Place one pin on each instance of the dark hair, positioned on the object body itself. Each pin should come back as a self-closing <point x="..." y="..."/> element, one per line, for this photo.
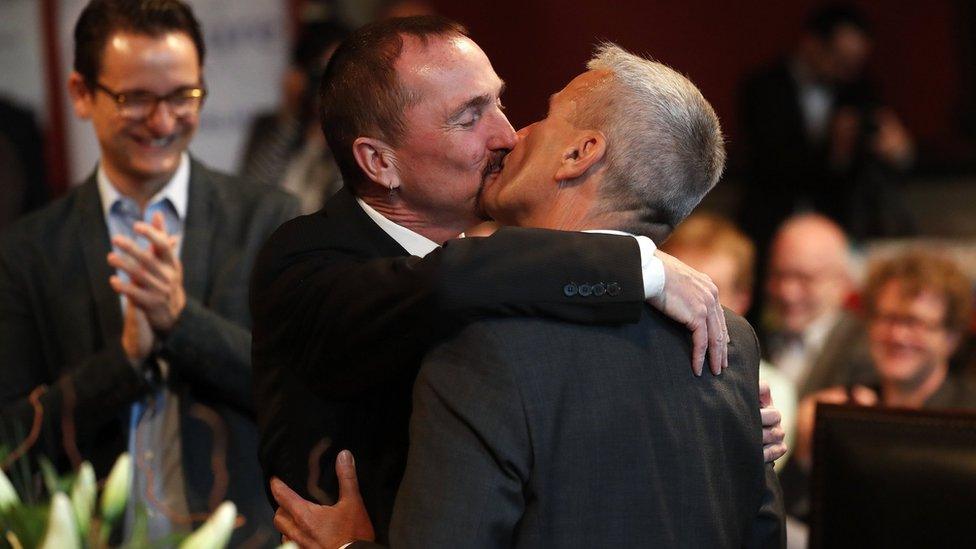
<point x="102" y="18"/>
<point x="360" y="93"/>
<point x="314" y="40"/>
<point x="825" y="21"/>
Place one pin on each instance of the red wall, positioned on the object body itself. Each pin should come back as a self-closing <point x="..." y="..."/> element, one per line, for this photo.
<point x="539" y="45"/>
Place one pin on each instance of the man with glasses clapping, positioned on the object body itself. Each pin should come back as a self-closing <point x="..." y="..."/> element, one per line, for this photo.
<point x="123" y="310"/>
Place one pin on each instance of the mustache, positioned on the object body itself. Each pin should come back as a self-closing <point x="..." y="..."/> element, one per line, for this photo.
<point x="496" y="160"/>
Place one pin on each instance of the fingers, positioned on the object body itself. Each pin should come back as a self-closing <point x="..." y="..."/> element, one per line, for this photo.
<point x="728" y="338"/>
<point x="290" y="530"/>
<point x="287" y="498"/>
<point x="346" y="473"/>
<point x="139" y="296"/>
<point x="160" y="240"/>
<point x="765" y="394"/>
<point x="864" y="396"/>
<point x="699" y="343"/>
<point x="773" y="452"/>
<point x="717" y="346"/>
<point x="773" y="435"/>
<point x="771" y="417"/>
<point x="143" y="275"/>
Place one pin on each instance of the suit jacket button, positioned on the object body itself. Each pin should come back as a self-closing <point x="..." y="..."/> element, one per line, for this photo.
<point x="585" y="290"/>
<point x="599" y="289"/>
<point x="570" y="289"/>
<point x="613" y="289"/>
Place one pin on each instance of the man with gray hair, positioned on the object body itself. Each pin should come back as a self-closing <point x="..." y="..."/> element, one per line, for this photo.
<point x="537" y="432"/>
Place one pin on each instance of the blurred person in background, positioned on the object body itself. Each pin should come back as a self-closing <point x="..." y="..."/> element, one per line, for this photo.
<point x="715" y="246"/>
<point x="23" y="184"/>
<point x="818" y="137"/>
<point x="286" y="147"/>
<point x="808" y="334"/>
<point x="123" y="306"/>
<point x="918" y="307"/>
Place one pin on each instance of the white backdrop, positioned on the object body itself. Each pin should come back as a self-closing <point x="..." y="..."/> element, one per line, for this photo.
<point x="247" y="47"/>
<point x="21" y="54"/>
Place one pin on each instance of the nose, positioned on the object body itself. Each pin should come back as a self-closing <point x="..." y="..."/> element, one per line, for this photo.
<point x="524" y="132"/>
<point x="503" y="134"/>
<point x="161" y="120"/>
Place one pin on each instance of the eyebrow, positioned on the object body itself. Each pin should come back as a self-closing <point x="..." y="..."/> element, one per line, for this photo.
<point x="475" y="103"/>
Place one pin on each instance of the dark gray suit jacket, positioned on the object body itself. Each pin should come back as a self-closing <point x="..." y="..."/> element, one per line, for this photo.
<point x="536" y="433"/>
<point x="60" y="325"/>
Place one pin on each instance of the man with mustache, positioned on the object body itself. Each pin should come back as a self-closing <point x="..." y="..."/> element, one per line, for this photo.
<point x="345" y="308"/>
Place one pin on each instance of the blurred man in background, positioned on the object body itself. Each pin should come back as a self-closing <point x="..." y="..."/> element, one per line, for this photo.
<point x="123" y="308"/>
<point x="819" y="139"/>
<point x="918" y="307"/>
<point x="808" y="334"/>
<point x="286" y="147"/>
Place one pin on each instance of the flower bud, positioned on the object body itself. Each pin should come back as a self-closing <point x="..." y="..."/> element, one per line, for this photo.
<point x="62" y="532"/>
<point x="216" y="531"/>
<point x="116" y="490"/>
<point x="83" y="494"/>
<point x="8" y="496"/>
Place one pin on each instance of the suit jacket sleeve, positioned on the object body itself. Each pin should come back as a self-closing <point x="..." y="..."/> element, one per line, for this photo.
<point x="89" y="393"/>
<point x="470" y="453"/>
<point x="354" y="320"/>
<point x="214" y="350"/>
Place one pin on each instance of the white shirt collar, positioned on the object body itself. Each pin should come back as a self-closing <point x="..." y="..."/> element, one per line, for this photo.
<point x="815" y="336"/>
<point x="177" y="189"/>
<point x="413" y="243"/>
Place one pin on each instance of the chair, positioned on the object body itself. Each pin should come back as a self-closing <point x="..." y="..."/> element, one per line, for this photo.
<point x="893" y="478"/>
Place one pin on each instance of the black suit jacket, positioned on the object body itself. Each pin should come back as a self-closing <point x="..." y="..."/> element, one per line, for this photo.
<point x="342" y="318"/>
<point x="536" y="433"/>
<point x="60" y="325"/>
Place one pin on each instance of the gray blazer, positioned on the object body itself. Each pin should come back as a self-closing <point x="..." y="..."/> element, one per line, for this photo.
<point x="536" y="433"/>
<point x="60" y="325"/>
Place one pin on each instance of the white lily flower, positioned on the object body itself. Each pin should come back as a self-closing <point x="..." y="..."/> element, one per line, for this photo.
<point x="83" y="494"/>
<point x="116" y="490"/>
<point x="216" y="531"/>
<point x="62" y="532"/>
<point x="8" y="496"/>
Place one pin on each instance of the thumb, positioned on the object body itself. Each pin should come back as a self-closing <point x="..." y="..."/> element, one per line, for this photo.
<point x="346" y="473"/>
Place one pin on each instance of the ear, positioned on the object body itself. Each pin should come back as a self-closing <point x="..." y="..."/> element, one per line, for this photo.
<point x="588" y="149"/>
<point x="82" y="98"/>
<point x="378" y="161"/>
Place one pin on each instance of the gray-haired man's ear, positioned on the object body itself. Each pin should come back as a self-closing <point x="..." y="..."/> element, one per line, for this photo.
<point x="586" y="151"/>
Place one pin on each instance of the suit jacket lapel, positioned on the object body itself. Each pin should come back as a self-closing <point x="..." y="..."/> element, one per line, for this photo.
<point x="198" y="233"/>
<point x="95" y="244"/>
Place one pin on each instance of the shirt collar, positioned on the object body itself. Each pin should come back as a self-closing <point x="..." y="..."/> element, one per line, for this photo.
<point x="815" y="336"/>
<point x="413" y="243"/>
<point x="176" y="190"/>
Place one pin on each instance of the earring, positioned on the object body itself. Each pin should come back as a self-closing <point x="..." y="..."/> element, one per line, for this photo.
<point x="393" y="191"/>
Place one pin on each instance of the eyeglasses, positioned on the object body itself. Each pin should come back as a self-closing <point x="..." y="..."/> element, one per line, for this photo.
<point x="912" y="323"/>
<point x="139" y="105"/>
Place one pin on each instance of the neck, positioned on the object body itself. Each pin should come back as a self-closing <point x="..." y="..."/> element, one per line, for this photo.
<point x="139" y="189"/>
<point x="394" y="208"/>
<point x="913" y="393"/>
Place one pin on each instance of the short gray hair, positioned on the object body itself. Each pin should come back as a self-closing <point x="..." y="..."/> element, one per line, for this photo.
<point x="665" y="148"/>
